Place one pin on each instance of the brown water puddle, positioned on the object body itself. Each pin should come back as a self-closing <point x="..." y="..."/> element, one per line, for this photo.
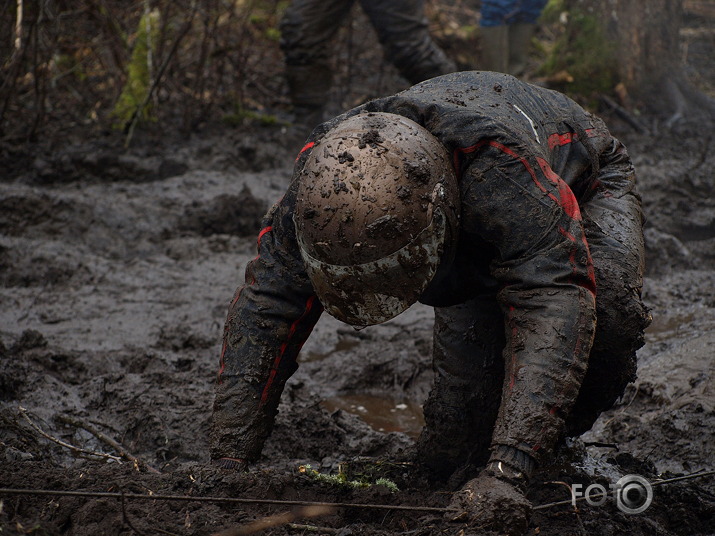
<point x="382" y="413"/>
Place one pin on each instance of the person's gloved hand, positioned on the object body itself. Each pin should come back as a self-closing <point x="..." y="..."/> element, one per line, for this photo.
<point x="231" y="464"/>
<point x="491" y="503"/>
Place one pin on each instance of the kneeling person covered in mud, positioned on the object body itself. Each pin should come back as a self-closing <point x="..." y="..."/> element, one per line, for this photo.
<point x="505" y="206"/>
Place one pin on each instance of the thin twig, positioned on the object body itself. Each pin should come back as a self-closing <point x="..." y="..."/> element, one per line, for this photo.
<point x="624" y="114"/>
<point x="18" y="25"/>
<point x="73" y="448"/>
<point x="575" y="508"/>
<point x="313" y="528"/>
<point x="690" y="476"/>
<point x="123" y="452"/>
<point x="560" y="483"/>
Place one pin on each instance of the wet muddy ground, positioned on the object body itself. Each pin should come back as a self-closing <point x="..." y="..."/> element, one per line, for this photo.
<point x="116" y="270"/>
<point x="114" y="292"/>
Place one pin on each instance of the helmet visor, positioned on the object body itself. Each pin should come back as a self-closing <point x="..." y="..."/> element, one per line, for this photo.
<point x="376" y="291"/>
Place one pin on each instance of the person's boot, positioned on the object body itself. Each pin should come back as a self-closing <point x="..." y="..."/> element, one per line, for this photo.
<point x="519" y="43"/>
<point x="495" y="48"/>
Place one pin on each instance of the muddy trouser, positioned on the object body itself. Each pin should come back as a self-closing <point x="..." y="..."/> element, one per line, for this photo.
<point x="309" y="25"/>
<point x="462" y="407"/>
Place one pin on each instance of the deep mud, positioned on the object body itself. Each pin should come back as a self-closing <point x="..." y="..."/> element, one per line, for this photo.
<point x="116" y="270"/>
<point x="114" y="292"/>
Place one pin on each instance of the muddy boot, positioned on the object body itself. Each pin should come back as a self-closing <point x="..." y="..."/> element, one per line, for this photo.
<point x="495" y="48"/>
<point x="520" y="35"/>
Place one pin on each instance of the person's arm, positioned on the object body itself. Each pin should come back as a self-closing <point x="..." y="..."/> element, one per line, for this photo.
<point x="547" y="294"/>
<point x="518" y="204"/>
<point x="269" y="319"/>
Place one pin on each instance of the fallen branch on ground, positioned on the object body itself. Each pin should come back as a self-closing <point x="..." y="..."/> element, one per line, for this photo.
<point x="69" y="446"/>
<point x="123" y="453"/>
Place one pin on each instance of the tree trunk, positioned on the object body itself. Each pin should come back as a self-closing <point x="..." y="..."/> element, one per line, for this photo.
<point x="646" y="36"/>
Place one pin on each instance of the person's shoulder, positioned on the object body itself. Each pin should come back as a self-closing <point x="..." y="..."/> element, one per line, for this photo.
<point x="473" y="79"/>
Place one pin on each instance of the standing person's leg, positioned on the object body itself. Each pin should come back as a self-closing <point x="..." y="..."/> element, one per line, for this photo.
<point x="464" y="401"/>
<point x="402" y="29"/>
<point x="306" y="31"/>
<point x="613" y="224"/>
<point x="521" y="30"/>
<point x="494" y="32"/>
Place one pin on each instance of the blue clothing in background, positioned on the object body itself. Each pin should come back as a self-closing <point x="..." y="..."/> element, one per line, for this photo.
<point x="499" y="12"/>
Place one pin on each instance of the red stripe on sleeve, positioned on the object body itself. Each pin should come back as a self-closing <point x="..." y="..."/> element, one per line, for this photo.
<point x="557" y="140"/>
<point x="222" y="362"/>
<point x="284" y="347"/>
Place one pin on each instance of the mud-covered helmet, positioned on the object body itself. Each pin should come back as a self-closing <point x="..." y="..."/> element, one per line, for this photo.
<point x="377" y="205"/>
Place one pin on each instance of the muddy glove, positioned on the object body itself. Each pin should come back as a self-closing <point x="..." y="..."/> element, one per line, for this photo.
<point x="489" y="503"/>
<point x="495" y="499"/>
<point x="231" y="464"/>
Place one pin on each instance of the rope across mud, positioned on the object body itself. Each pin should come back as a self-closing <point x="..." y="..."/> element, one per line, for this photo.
<point x="240" y="500"/>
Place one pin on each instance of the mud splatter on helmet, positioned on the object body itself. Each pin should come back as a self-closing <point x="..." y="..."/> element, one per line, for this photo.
<point x="377" y="201"/>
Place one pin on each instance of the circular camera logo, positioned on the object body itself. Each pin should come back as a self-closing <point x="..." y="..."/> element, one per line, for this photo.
<point x="633" y="494"/>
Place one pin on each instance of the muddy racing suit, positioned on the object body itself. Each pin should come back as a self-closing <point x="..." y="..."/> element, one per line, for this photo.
<point x="550" y="238"/>
<point x="309" y="25"/>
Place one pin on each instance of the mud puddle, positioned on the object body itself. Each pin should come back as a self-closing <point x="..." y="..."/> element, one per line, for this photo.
<point x="382" y="413"/>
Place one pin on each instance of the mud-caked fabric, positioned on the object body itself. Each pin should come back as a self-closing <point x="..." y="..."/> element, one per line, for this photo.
<point x="309" y="26"/>
<point x="514" y="199"/>
<point x="502" y="12"/>
<point x="528" y="159"/>
<point x="612" y="219"/>
<point x="269" y="319"/>
<point x="613" y="223"/>
<point x="538" y="176"/>
<point x="462" y="406"/>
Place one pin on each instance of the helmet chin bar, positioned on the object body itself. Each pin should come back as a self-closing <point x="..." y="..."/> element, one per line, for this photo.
<point x="376" y="291"/>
